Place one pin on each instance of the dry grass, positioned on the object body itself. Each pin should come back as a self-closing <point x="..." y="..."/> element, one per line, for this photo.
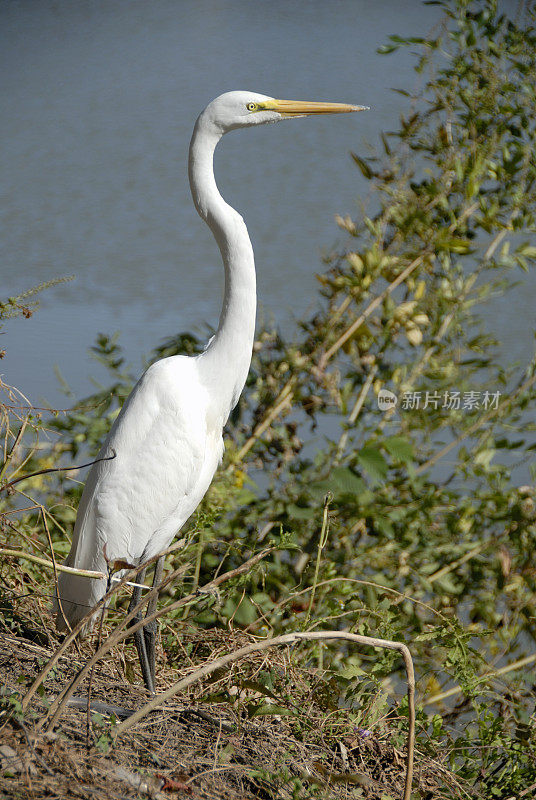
<point x="206" y="744"/>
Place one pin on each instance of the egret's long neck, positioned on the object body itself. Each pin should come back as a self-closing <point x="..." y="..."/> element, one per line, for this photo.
<point x="225" y="363"/>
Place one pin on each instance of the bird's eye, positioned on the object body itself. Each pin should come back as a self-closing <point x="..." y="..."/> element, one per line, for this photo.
<point x="251" y="106"/>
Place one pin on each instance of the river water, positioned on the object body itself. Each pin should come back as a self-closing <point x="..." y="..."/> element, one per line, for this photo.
<point x="99" y="101"/>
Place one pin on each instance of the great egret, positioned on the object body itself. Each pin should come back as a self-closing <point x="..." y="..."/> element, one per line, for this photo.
<point x="167" y="440"/>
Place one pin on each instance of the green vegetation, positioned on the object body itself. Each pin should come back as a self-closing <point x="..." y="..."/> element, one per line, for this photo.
<point x="409" y="523"/>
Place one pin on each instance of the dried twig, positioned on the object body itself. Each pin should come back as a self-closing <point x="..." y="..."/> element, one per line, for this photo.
<point x="90" y="682"/>
<point x="284" y="399"/>
<point x="124" y="630"/>
<point x="361" y="397"/>
<point x="321" y="544"/>
<point x="523" y="662"/>
<point x="8" y="458"/>
<point x="58" y="653"/>
<point x="288" y="639"/>
<point x="55" y="469"/>
<point x="84" y="573"/>
<point x="55" y="568"/>
<point x="372" y="306"/>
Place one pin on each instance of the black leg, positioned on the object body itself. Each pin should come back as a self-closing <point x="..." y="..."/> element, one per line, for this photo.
<point x="139" y="639"/>
<point x="145" y="638"/>
<point x="150" y="630"/>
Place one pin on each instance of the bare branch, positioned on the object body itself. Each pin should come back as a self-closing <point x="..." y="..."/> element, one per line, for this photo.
<point x="124" y="630"/>
<point x="56" y="469"/>
<point x="84" y="573"/>
<point x="289" y="639"/>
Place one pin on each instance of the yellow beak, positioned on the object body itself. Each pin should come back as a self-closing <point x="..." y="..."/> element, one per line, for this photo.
<point x="302" y="108"/>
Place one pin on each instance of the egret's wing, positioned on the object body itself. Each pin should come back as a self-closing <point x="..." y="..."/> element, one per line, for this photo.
<point x="159" y="440"/>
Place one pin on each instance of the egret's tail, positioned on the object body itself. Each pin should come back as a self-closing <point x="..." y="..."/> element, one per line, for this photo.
<point x="78" y="596"/>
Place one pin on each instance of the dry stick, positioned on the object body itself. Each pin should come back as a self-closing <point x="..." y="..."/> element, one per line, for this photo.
<point x="55" y="469"/>
<point x="90" y="682"/>
<point x="10" y="390"/>
<point x="72" y="636"/>
<point x="216" y="747"/>
<point x="526" y="791"/>
<point x="321" y="544"/>
<point x="84" y="573"/>
<point x="50" y="516"/>
<point x="288" y="639"/>
<point x="283" y="399"/>
<point x="437" y="698"/>
<point x="66" y="693"/>
<point x="22" y="510"/>
<point x="11" y="453"/>
<point x="119" y="634"/>
<point x="475" y="551"/>
<point x="346" y="302"/>
<point x="54" y="566"/>
<point x="30" y="454"/>
<point x="341" y="447"/>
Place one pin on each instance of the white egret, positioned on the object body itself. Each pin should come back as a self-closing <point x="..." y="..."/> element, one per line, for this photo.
<point x="167" y="438"/>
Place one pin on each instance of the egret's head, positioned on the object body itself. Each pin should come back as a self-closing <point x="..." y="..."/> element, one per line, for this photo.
<point x="244" y="109"/>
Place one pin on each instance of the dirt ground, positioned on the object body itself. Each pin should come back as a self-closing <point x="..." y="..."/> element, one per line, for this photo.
<point x="230" y="739"/>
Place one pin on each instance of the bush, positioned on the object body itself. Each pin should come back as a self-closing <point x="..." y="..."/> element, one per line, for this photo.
<point x="427" y="535"/>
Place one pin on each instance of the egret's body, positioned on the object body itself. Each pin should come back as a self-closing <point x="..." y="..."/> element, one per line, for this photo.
<point x="167" y="441"/>
<point x="167" y="446"/>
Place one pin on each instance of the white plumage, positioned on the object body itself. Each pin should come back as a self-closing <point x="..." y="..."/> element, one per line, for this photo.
<point x="167" y="438"/>
<point x="167" y="446"/>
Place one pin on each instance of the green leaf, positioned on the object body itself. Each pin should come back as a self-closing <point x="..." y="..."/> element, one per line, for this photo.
<point x="385" y="49"/>
<point x="352" y="671"/>
<point x="446" y="584"/>
<point x="427" y="636"/>
<point x="527" y="250"/>
<point x="243" y="613"/>
<point x="455" y="244"/>
<point x="345" y="481"/>
<point x="484" y="457"/>
<point x="373" y="462"/>
<point x="363" y="166"/>
<point x="299" y="512"/>
<point x="400" y="448"/>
